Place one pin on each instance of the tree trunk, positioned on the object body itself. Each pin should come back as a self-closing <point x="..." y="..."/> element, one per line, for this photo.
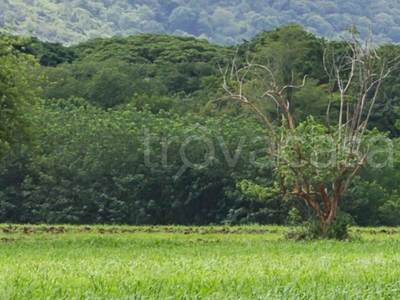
<point x="327" y="215"/>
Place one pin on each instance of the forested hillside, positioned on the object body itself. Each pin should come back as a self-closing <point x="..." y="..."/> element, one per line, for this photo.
<point x="133" y="130"/>
<point x="222" y="22"/>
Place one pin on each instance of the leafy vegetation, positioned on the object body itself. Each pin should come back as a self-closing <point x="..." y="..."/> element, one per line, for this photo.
<point x="317" y="161"/>
<point x="18" y="97"/>
<point x="223" y="22"/>
<point x="134" y="131"/>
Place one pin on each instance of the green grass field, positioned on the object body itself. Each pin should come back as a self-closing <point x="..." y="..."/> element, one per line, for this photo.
<point x="252" y="262"/>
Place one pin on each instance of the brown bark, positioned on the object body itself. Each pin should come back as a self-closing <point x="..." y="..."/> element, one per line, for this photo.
<point x="327" y="215"/>
<point x="325" y="197"/>
<point x="313" y="203"/>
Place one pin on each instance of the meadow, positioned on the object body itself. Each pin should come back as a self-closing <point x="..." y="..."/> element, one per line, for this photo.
<point x="163" y="262"/>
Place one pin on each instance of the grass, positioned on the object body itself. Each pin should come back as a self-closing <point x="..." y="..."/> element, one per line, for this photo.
<point x="196" y="263"/>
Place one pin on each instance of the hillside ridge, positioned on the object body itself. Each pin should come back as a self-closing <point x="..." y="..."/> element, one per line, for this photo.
<point x="223" y="22"/>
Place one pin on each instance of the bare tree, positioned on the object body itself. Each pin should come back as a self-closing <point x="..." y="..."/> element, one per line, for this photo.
<point x="318" y="162"/>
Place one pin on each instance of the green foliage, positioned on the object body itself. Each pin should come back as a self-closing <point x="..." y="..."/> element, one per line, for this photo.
<point x="110" y="72"/>
<point x="152" y="48"/>
<point x="258" y="204"/>
<point x="289" y="50"/>
<point x="315" y="162"/>
<point x="222" y="22"/>
<point x="18" y="96"/>
<point x="252" y="189"/>
<point x="49" y="54"/>
<point x="339" y="229"/>
<point x="311" y="229"/>
<point x="390" y="211"/>
<point x="96" y="167"/>
<point x="320" y="160"/>
<point x="104" y="95"/>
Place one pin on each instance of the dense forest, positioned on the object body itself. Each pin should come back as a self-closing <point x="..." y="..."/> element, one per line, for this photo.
<point x="94" y="133"/>
<point x="222" y="22"/>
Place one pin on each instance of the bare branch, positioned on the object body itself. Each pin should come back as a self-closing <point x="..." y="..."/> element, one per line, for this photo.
<point x="352" y="175"/>
<point x="294" y="86"/>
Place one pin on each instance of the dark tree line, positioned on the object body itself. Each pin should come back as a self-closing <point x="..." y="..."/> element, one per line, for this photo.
<point x="130" y="130"/>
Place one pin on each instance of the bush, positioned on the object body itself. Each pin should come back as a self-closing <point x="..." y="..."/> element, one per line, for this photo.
<point x="311" y="229"/>
<point x="339" y="227"/>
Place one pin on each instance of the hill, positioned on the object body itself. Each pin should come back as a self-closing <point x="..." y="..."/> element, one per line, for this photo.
<point x="222" y="22"/>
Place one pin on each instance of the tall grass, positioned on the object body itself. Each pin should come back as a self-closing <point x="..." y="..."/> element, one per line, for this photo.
<point x="162" y="265"/>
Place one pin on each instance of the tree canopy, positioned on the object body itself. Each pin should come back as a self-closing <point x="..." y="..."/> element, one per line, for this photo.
<point x="222" y="22"/>
<point x="18" y="100"/>
<point x="134" y="130"/>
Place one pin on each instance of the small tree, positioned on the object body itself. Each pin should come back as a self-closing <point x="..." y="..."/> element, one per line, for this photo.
<point x="314" y="161"/>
